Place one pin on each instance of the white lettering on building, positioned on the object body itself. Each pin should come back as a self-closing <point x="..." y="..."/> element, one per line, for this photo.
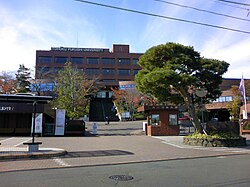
<point x="77" y="49"/>
<point x="6" y="108"/>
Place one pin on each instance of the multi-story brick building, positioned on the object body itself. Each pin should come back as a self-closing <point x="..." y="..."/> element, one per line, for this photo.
<point x="218" y="109"/>
<point x="108" y="67"/>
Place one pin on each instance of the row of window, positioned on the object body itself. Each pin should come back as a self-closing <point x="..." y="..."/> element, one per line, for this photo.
<point x="154" y="119"/>
<point x="224" y="99"/>
<point x="80" y="60"/>
<point x="92" y="71"/>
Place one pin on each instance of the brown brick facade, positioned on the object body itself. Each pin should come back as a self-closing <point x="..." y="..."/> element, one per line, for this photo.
<point x="108" y="67"/>
<point x="163" y="128"/>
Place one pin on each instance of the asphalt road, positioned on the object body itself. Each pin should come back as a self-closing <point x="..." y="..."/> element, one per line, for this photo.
<point x="200" y="172"/>
<point x="118" y="150"/>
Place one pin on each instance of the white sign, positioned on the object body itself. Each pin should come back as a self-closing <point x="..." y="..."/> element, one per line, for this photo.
<point x="60" y="122"/>
<point x="244" y="114"/>
<point x="77" y="49"/>
<point x="38" y="123"/>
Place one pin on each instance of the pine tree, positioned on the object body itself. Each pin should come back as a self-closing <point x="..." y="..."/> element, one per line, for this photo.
<point x="22" y="77"/>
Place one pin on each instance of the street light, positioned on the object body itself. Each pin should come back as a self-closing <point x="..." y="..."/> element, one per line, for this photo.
<point x="201" y="92"/>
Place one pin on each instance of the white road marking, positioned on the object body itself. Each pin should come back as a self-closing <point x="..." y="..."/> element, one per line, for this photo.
<point x="15" y="141"/>
<point x="60" y="162"/>
<point x="173" y="145"/>
<point x="221" y="157"/>
<point x="22" y="142"/>
<point x="177" y="143"/>
<point x="7" y="139"/>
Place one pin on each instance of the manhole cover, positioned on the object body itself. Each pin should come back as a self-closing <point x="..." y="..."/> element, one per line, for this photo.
<point x="121" y="177"/>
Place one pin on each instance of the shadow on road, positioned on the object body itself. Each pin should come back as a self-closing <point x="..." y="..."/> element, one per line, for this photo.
<point x="96" y="153"/>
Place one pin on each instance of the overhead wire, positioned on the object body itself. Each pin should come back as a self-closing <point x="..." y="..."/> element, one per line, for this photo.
<point x="202" y="10"/>
<point x="234" y="2"/>
<point x="164" y="17"/>
<point x="231" y="5"/>
<point x="235" y="5"/>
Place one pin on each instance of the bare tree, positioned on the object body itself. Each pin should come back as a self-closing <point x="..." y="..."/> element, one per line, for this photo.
<point x="7" y="82"/>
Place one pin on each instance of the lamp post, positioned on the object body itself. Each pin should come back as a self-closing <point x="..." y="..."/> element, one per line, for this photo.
<point x="201" y="92"/>
<point x="34" y="121"/>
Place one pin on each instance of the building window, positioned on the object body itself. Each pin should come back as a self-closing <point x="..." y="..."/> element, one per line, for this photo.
<point x="108" y="71"/>
<point x="57" y="69"/>
<point x="101" y="94"/>
<point x="93" y="60"/>
<point x="124" y="80"/>
<point x="154" y="119"/>
<point x="108" y="80"/>
<point x="136" y="71"/>
<point x="224" y="99"/>
<point x="124" y="61"/>
<point x="135" y="61"/>
<point x="44" y="59"/>
<point x="43" y="69"/>
<point x="124" y="72"/>
<point x="229" y="98"/>
<point x="76" y="60"/>
<point x="173" y="119"/>
<point x="61" y="60"/>
<point x="108" y="61"/>
<point x="92" y="71"/>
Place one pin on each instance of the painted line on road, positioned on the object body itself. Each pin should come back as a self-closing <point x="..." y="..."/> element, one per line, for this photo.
<point x="222" y="149"/>
<point x="60" y="162"/>
<point x="22" y="142"/>
<point x="7" y="139"/>
<point x="221" y="157"/>
<point x="173" y="145"/>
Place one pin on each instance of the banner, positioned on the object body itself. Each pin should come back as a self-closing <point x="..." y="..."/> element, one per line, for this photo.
<point x="243" y="93"/>
<point x="38" y="123"/>
<point x="60" y="122"/>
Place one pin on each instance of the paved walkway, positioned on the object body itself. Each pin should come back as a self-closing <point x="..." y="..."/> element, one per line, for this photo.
<point x="104" y="150"/>
<point x="117" y="138"/>
<point x="11" y="148"/>
<point x="176" y="141"/>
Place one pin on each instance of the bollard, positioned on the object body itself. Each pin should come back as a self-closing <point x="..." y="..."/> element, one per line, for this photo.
<point x="94" y="128"/>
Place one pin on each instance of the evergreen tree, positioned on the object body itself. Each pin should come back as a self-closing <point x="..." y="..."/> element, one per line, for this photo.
<point x="173" y="72"/>
<point x="23" y="77"/>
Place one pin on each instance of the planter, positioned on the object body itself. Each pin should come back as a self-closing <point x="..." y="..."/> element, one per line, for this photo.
<point x="214" y="142"/>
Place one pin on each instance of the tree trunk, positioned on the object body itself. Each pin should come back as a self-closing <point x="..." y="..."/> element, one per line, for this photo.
<point x="195" y="121"/>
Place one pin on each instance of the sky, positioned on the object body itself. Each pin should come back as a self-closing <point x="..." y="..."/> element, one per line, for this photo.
<point x="28" y="25"/>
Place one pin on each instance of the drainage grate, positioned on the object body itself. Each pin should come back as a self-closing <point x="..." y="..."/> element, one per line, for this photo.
<point x="121" y="177"/>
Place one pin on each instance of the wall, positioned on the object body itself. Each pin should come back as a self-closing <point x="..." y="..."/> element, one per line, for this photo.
<point x="163" y="129"/>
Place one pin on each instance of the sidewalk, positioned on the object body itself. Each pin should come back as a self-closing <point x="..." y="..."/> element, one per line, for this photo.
<point x="177" y="141"/>
<point x="12" y="148"/>
<point x="18" y="151"/>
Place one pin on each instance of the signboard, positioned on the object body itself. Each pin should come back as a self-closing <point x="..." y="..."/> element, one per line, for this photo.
<point x="60" y="122"/>
<point x="76" y="49"/>
<point x="126" y="115"/>
<point x="38" y="123"/>
<point x="244" y="114"/>
<point x="19" y="107"/>
<point x="6" y="108"/>
<point x="127" y="87"/>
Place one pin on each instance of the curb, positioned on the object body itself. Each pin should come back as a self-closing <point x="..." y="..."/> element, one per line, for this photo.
<point x="46" y="153"/>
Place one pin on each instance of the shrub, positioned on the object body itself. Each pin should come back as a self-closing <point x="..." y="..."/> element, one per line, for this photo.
<point x="247" y="127"/>
<point x="214" y="136"/>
